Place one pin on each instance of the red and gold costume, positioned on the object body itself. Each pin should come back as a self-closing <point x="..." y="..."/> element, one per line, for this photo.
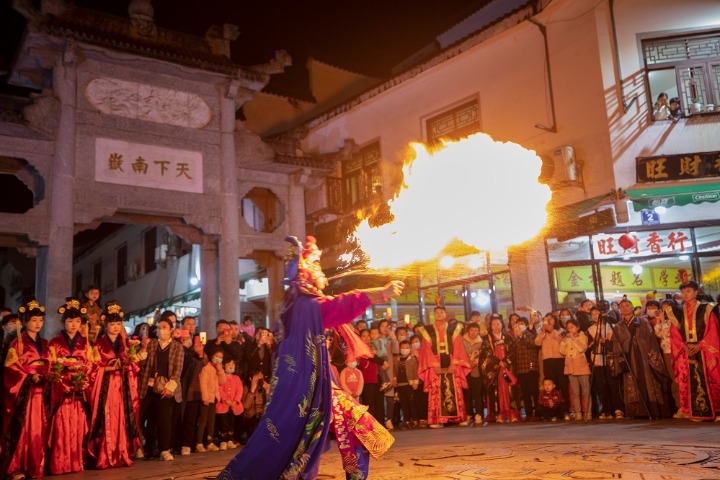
<point x="441" y="348"/>
<point x="114" y="435"/>
<point x="698" y="375"/>
<point x="70" y="368"/>
<point x="25" y="420"/>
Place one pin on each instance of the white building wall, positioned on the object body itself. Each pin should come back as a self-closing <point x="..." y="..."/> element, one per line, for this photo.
<point x="507" y="73"/>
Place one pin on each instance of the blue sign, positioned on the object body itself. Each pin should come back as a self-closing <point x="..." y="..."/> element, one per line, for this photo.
<point x="649" y="217"/>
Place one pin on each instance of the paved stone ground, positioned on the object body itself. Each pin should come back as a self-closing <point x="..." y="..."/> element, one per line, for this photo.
<point x="628" y="450"/>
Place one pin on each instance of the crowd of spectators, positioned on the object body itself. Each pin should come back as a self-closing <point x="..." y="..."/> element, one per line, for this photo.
<point x="166" y="389"/>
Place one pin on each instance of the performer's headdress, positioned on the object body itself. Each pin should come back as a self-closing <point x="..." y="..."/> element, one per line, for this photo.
<point x="112" y="313"/>
<point x="31" y="309"/>
<point x="71" y="309"/>
<point x="303" y="269"/>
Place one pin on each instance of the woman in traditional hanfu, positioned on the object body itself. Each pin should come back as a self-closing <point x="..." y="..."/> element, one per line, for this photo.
<point x="69" y="370"/>
<point x="114" y="435"/>
<point x="25" y="421"/>
<point x="305" y="402"/>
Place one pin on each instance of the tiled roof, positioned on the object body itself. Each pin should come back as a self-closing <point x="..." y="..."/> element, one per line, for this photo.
<point x="119" y="34"/>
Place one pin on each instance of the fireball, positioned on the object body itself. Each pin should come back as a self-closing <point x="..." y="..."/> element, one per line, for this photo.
<point x="477" y="191"/>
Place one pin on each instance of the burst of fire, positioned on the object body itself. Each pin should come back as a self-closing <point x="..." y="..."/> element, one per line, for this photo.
<point x="481" y="192"/>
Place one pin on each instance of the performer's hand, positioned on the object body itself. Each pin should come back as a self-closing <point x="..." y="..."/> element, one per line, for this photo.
<point x="36" y="378"/>
<point x="167" y="393"/>
<point x="393" y="289"/>
<point x="415" y="386"/>
<point x="451" y="369"/>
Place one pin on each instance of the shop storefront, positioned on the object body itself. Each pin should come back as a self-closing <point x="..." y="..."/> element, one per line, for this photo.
<point x="476" y="282"/>
<point x="610" y="265"/>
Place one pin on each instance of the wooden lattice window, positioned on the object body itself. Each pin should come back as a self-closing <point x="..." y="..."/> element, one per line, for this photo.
<point x="455" y="123"/>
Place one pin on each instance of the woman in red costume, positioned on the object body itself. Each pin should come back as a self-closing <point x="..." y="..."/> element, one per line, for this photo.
<point x="25" y="425"/>
<point x="69" y="370"/>
<point x="114" y="434"/>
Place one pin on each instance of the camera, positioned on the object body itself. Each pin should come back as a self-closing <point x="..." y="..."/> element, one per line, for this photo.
<point x="603" y="306"/>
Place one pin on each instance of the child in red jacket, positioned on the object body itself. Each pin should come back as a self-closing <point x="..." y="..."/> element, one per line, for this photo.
<point x="229" y="405"/>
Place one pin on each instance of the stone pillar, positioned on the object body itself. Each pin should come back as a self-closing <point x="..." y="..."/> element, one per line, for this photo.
<point x="529" y="273"/>
<point x="209" y="293"/>
<point x="296" y="205"/>
<point x="275" y="267"/>
<point x="56" y="282"/>
<point x="229" y="238"/>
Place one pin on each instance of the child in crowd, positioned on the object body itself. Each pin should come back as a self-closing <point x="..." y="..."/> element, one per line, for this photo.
<point x="212" y="377"/>
<point x="380" y="347"/>
<point x="550" y="401"/>
<point x="229" y="405"/>
<point x="405" y="378"/>
<point x="573" y="346"/>
<point x="351" y="379"/>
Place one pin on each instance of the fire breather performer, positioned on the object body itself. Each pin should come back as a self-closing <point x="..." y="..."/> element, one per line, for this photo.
<point x="305" y="401"/>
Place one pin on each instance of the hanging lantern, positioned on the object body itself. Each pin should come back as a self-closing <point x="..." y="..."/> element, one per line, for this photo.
<point x="627" y="241"/>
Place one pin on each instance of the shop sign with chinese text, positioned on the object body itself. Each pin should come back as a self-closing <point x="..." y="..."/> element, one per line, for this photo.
<point x="642" y="244"/>
<point x="621" y="278"/>
<point x="151" y="166"/>
<point x="678" y="167"/>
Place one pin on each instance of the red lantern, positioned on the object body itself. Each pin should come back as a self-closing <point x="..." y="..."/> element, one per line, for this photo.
<point x="627" y="241"/>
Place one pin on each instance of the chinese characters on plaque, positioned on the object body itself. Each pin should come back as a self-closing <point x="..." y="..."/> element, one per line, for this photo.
<point x="648" y="243"/>
<point x="151" y="166"/>
<point x="622" y="278"/>
<point x="678" y="167"/>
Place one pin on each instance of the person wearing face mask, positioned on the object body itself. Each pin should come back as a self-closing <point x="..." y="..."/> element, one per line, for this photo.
<point x="475" y="393"/>
<point x="159" y="388"/>
<point x="351" y="379"/>
<point x="212" y="376"/>
<point x="229" y="405"/>
<point x="405" y="378"/>
<point x="419" y="395"/>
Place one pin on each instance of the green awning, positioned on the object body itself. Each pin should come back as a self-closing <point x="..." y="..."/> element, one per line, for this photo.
<point x="675" y="195"/>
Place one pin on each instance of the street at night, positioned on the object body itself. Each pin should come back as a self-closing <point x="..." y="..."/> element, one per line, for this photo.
<point x="388" y="239"/>
<point x="628" y="450"/>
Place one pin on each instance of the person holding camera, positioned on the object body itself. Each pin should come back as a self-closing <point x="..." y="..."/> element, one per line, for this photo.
<point x="645" y="381"/>
<point x="258" y="354"/>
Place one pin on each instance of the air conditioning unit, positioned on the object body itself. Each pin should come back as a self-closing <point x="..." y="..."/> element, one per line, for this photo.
<point x="131" y="272"/>
<point x="565" y="168"/>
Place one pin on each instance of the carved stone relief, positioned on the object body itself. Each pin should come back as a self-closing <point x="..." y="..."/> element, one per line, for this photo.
<point x="141" y="101"/>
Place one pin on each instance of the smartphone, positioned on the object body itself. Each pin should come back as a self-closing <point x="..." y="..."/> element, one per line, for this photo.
<point x="203" y="337"/>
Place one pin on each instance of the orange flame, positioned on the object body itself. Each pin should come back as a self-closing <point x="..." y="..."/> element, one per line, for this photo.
<point x="482" y="192"/>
